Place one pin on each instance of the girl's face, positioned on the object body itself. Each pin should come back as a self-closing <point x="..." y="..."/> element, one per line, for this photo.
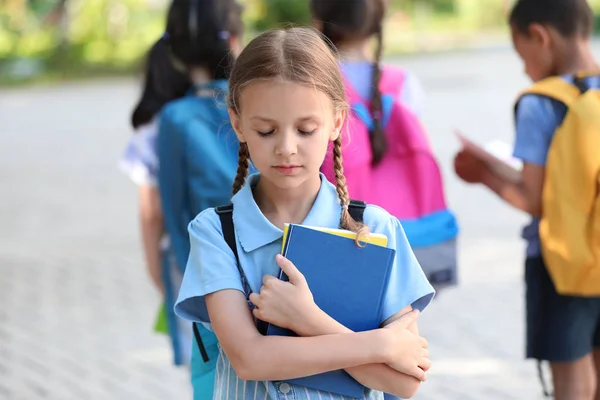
<point x="287" y="127"/>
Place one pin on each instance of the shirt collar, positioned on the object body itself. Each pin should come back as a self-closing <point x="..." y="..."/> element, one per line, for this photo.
<point x="254" y="230"/>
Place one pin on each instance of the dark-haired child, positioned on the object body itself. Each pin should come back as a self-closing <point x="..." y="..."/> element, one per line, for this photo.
<point x="552" y="37"/>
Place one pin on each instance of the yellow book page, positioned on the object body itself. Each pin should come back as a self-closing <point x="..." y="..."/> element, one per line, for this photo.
<point x="377" y="239"/>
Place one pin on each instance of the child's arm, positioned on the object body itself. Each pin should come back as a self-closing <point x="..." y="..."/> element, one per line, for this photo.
<point x="257" y="357"/>
<point x="279" y="299"/>
<point x="137" y="162"/>
<point x="151" y="222"/>
<point x="525" y="195"/>
<point x="375" y="376"/>
<point x="536" y="120"/>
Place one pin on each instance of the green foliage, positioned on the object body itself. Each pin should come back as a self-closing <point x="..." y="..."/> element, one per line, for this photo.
<point x="92" y="34"/>
<point x="443" y="6"/>
<point x="278" y="12"/>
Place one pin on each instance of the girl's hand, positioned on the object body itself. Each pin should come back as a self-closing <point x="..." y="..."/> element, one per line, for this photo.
<point x="408" y="351"/>
<point x="289" y="304"/>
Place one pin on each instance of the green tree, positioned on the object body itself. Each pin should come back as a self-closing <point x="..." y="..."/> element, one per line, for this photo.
<point x="278" y="12"/>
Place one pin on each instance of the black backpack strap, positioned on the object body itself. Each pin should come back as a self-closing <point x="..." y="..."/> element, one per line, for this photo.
<point x="356" y="208"/>
<point x="201" y="346"/>
<point x="226" y="216"/>
<point x="581" y="84"/>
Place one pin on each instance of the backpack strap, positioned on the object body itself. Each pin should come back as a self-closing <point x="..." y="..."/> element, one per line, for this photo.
<point x="555" y="88"/>
<point x="201" y="346"/>
<point x="226" y="216"/>
<point x="356" y="208"/>
<point x="392" y="80"/>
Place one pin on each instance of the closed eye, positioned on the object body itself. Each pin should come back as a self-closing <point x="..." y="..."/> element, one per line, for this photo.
<point x="264" y="134"/>
<point x="307" y="133"/>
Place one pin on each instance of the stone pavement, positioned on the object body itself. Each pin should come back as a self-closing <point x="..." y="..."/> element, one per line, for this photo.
<point x="76" y="307"/>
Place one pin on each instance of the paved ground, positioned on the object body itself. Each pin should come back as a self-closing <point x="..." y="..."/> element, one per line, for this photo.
<point x="76" y="307"/>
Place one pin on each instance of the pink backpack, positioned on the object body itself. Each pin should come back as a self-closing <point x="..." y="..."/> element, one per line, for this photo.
<point x="407" y="182"/>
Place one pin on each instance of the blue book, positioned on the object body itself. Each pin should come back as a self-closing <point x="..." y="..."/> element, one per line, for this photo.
<point x="333" y="263"/>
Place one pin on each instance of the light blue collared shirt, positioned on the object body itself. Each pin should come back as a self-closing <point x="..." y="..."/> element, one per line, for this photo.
<point x="212" y="267"/>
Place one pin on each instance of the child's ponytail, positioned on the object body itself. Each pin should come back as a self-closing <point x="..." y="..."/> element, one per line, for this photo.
<point x="348" y="20"/>
<point x="377" y="134"/>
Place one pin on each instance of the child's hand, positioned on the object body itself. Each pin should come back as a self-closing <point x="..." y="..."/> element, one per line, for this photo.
<point x="285" y="304"/>
<point x="468" y="167"/>
<point x="408" y="353"/>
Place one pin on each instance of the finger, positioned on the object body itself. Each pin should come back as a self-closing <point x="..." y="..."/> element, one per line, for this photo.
<point x="290" y="270"/>
<point x="268" y="278"/>
<point x="257" y="313"/>
<point x="425" y="353"/>
<point x="425" y="364"/>
<point x="423" y="342"/>
<point x="408" y="319"/>
<point x="419" y="374"/>
<point x="255" y="299"/>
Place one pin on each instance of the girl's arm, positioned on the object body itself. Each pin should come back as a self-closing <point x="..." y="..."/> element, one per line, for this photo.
<point x="375" y="376"/>
<point x="277" y="300"/>
<point x="257" y="357"/>
<point x="151" y="223"/>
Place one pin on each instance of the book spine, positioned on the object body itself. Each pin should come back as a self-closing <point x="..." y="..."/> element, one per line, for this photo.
<point x="390" y="261"/>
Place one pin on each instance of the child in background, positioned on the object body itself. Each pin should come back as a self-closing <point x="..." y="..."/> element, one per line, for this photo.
<point x="387" y="157"/>
<point x="552" y="37"/>
<point x="162" y="83"/>
<point x="286" y="103"/>
<point x="197" y="152"/>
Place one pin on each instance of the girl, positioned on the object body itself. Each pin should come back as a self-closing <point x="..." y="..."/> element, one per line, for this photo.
<point x="197" y="156"/>
<point x="162" y="83"/>
<point x="351" y="25"/>
<point x="388" y="160"/>
<point x="286" y="103"/>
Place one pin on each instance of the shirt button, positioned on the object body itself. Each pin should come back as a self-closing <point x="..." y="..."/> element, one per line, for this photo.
<point x="285" y="388"/>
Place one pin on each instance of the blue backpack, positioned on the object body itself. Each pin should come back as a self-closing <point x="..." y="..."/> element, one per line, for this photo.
<point x="198" y="159"/>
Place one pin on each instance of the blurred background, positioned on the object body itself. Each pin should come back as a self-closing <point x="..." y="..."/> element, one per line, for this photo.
<point x="47" y="39"/>
<point x="76" y="306"/>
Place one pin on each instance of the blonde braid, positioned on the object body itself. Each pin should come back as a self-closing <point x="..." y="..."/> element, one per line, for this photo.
<point x="346" y="221"/>
<point x="338" y="167"/>
<point x="243" y="165"/>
